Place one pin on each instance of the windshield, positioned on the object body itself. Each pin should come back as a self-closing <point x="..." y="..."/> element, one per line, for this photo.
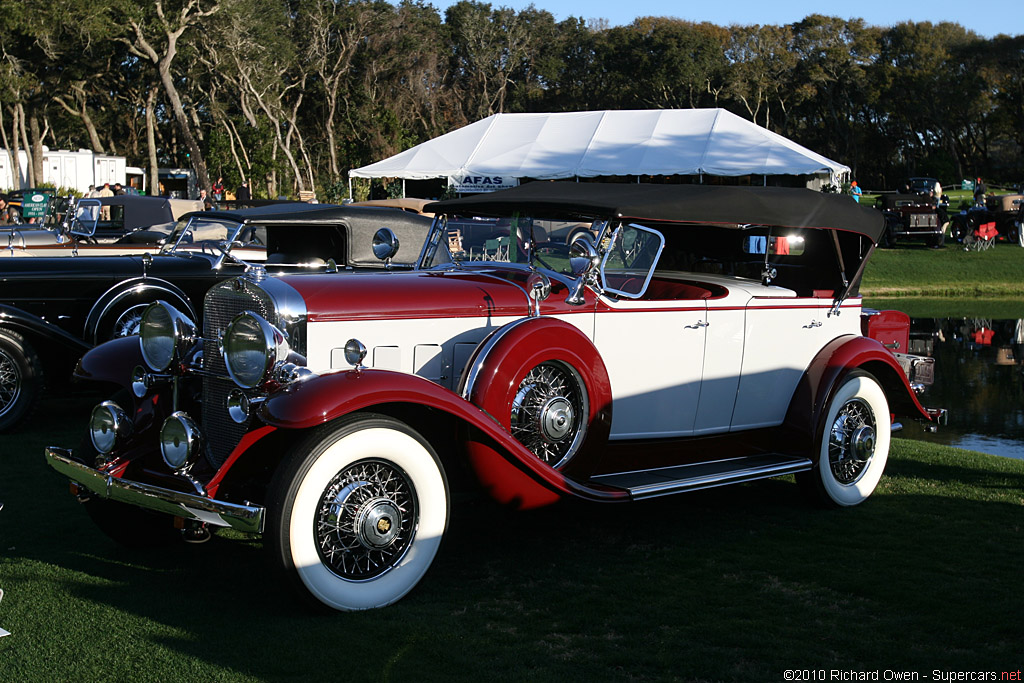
<point x="520" y="239"/>
<point x="206" y="230"/>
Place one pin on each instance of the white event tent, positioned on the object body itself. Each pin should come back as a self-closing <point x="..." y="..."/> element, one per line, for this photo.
<point x="546" y="146"/>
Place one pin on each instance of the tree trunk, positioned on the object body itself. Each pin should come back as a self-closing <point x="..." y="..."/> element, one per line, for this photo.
<point x="154" y="169"/>
<point x="198" y="163"/>
<point x="30" y="166"/>
<point x="37" y="150"/>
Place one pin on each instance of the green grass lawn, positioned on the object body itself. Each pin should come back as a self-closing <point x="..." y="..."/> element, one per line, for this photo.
<point x="734" y="584"/>
<point x="950" y="272"/>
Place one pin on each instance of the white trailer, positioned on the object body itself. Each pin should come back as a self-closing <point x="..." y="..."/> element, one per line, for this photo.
<point x="64" y="168"/>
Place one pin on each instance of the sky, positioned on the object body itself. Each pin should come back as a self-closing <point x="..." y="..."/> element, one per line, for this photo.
<point x="988" y="18"/>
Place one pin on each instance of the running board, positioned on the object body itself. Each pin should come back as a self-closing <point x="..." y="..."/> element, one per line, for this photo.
<point x="703" y="475"/>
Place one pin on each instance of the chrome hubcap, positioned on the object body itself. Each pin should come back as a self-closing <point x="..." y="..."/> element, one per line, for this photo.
<point x="366" y="521"/>
<point x="556" y="419"/>
<point x="548" y="413"/>
<point x="851" y="443"/>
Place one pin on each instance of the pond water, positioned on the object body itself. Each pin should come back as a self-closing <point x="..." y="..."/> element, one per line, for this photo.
<point x="979" y="378"/>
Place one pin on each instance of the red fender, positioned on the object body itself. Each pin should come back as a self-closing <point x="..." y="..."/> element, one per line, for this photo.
<point x="831" y="365"/>
<point x="506" y="468"/>
<point x="500" y="363"/>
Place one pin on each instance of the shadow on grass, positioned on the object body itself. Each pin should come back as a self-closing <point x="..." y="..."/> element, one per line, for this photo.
<point x="736" y="583"/>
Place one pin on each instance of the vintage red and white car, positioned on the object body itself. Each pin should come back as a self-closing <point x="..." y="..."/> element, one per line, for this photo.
<point x="603" y="342"/>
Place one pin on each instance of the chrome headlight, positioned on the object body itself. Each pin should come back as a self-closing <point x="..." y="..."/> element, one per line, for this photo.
<point x="165" y="334"/>
<point x="109" y="426"/>
<point x="251" y="347"/>
<point x="179" y="440"/>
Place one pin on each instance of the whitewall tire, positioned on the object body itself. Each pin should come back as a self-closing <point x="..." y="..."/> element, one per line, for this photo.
<point x="854" y="443"/>
<point x="357" y="514"/>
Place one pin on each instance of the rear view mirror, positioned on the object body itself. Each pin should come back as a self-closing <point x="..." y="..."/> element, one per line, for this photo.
<point x="781" y="245"/>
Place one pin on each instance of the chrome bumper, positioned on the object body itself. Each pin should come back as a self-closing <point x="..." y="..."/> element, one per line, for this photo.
<point x="247" y="518"/>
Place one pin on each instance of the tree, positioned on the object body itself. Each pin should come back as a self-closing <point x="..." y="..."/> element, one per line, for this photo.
<point x="154" y="32"/>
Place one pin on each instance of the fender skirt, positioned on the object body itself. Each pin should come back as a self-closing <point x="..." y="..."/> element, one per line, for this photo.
<point x="826" y="372"/>
<point x="508" y="470"/>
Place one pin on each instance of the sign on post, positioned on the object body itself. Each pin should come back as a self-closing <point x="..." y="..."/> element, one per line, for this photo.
<point x="35" y="205"/>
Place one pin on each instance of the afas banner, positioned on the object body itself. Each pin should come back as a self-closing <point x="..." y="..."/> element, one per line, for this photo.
<point x="481" y="183"/>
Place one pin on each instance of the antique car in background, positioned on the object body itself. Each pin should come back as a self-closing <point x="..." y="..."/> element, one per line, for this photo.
<point x="53" y="309"/>
<point x="114" y="217"/>
<point x="1001" y="217"/>
<point x="910" y="217"/>
<point x="707" y="336"/>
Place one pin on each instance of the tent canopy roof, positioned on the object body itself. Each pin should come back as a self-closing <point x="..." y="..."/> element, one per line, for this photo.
<point x="605" y="143"/>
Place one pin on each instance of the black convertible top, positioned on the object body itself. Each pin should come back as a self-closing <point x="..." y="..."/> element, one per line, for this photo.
<point x="699" y="204"/>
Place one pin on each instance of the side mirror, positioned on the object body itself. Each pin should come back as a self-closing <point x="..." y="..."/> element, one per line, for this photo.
<point x="583" y="256"/>
<point x="385" y="245"/>
<point x="86" y="215"/>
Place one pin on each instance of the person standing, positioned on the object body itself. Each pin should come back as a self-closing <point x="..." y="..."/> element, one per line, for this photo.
<point x="243" y="194"/>
<point x="105" y="191"/>
<point x="979" y="191"/>
<point x="218" y="189"/>
<point x="855" y="191"/>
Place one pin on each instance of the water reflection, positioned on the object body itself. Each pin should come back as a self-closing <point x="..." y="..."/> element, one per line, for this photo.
<point x="979" y="378"/>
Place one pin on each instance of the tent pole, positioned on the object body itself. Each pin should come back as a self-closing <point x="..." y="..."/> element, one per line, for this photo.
<point x="403" y="188"/>
<point x="350" y="189"/>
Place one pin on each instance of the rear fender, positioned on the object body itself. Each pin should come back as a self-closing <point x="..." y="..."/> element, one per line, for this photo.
<point x="130" y="292"/>
<point x="40" y="331"/>
<point x="830" y="367"/>
<point x="505" y="468"/>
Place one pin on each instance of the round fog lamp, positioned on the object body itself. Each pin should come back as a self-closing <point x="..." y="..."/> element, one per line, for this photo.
<point x="238" y="406"/>
<point x="355" y="352"/>
<point x="179" y="440"/>
<point x="108" y="426"/>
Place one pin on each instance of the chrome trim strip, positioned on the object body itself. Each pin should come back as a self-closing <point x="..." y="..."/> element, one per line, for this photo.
<point x="247" y="518"/>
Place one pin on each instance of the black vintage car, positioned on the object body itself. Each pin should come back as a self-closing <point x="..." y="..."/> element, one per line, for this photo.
<point x="1001" y="214"/>
<point x="114" y="217"/>
<point x="910" y="216"/>
<point x="54" y="309"/>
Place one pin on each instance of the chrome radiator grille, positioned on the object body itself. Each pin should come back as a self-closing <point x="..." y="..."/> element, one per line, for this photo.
<point x="223" y="303"/>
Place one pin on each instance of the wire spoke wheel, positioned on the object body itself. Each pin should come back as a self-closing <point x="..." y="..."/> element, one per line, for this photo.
<point x="851" y="442"/>
<point x="549" y="412"/>
<point x="127" y="324"/>
<point x="366" y="520"/>
<point x="854" y="445"/>
<point x="10" y="382"/>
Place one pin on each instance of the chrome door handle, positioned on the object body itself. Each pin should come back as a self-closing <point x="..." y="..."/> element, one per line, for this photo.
<point x="699" y="324"/>
<point x="814" y="323"/>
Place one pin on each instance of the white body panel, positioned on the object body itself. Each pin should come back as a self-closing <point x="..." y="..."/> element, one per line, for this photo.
<point x="434" y="348"/>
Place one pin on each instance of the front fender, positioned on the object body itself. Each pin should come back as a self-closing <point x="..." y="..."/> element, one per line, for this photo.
<point x="507" y="469"/>
<point x="112" y="362"/>
<point x="135" y="289"/>
<point x="831" y="365"/>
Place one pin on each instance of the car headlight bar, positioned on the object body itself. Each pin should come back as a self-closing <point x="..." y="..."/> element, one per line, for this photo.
<point x="252" y="347"/>
<point x="166" y="334"/>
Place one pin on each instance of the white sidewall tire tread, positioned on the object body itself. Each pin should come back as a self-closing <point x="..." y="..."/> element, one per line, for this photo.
<point x="405" y="452"/>
<point x="866" y="388"/>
